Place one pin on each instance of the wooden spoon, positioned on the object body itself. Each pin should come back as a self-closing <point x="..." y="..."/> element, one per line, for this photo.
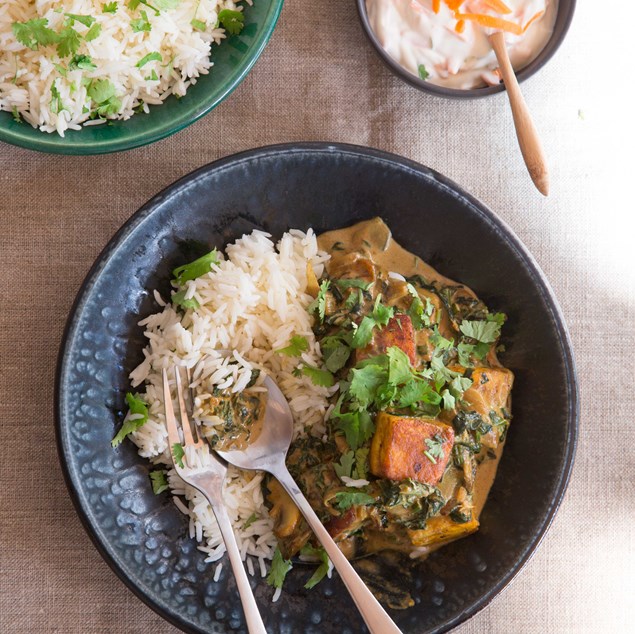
<point x="526" y="132"/>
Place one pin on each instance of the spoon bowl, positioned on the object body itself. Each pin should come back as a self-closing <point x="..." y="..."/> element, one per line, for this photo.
<point x="268" y="453"/>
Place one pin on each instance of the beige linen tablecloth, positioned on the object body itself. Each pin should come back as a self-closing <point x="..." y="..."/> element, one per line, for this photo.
<point x="319" y="80"/>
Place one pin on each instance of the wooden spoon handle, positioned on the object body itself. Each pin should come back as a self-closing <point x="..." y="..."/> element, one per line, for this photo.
<point x="526" y="132"/>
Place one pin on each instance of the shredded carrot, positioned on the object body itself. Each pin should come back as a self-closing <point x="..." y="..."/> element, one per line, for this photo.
<point x="497" y="5"/>
<point x="537" y="16"/>
<point x="436" y="5"/>
<point x="454" y="5"/>
<point x="491" y="22"/>
<point x="460" y="26"/>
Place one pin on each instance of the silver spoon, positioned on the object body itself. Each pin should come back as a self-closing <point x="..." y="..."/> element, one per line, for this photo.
<point x="268" y="453"/>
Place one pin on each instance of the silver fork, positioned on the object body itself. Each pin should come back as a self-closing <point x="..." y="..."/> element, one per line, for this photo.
<point x="209" y="481"/>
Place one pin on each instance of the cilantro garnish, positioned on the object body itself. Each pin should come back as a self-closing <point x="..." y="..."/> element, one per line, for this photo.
<point x="418" y="313"/>
<point x="86" y="20"/>
<point x="322" y="378"/>
<point x="102" y="93"/>
<point x="68" y="41"/>
<point x="380" y="316"/>
<point x="81" y="62"/>
<point x="279" y="569"/>
<point x="110" y="7"/>
<point x="93" y="32"/>
<point x="345" y="466"/>
<point x="423" y="73"/>
<point x="137" y="408"/>
<point x="159" y="481"/>
<point x="178" y="453"/>
<point x="141" y="24"/>
<point x="297" y="345"/>
<point x="336" y="351"/>
<point x="250" y="520"/>
<point x="150" y="57"/>
<point x="199" y="25"/>
<point x="178" y="299"/>
<point x="319" y="303"/>
<point x="321" y="570"/>
<point x="195" y="269"/>
<point x="434" y="448"/>
<point x="485" y="331"/>
<point x="357" y="425"/>
<point x="346" y="499"/>
<point x="352" y="464"/>
<point x="56" y="101"/>
<point x="232" y="21"/>
<point x="34" y="33"/>
<point x="16" y="115"/>
<point x="353" y="283"/>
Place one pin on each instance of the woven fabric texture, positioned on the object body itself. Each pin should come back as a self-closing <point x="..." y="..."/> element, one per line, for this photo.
<point x="57" y="213"/>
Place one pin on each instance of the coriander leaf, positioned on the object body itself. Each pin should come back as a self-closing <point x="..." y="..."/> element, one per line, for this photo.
<point x="417" y="391"/>
<point x="423" y="73"/>
<point x="16" y="115"/>
<point x="150" y="57"/>
<point x="159" y="481"/>
<point x="297" y="345"/>
<point x="399" y="368"/>
<point x="439" y="341"/>
<point x="68" y="42"/>
<point x="319" y="303"/>
<point x="357" y="426"/>
<point x="483" y="331"/>
<point x="139" y="410"/>
<point x="166" y="5"/>
<point x="34" y="33"/>
<point x="250" y="520"/>
<point x="361" y="459"/>
<point x="353" y="283"/>
<point x="195" y="269"/>
<point x="365" y="383"/>
<point x="322" y="378"/>
<point x="86" y="20"/>
<point x="110" y="7"/>
<point x="93" y="33"/>
<point x="459" y="384"/>
<point x="449" y="402"/>
<point x="345" y="465"/>
<point x="363" y="332"/>
<point x="382" y="314"/>
<point x="321" y="570"/>
<point x="178" y="299"/>
<point x="60" y="69"/>
<point x="56" y="99"/>
<point x="153" y="76"/>
<point x="232" y="21"/>
<point x="102" y="93"/>
<point x="346" y="499"/>
<point x="335" y="351"/>
<point x="81" y="62"/>
<point x="434" y="448"/>
<point x="177" y="454"/>
<point x="465" y="352"/>
<point x="279" y="569"/>
<point x="199" y="25"/>
<point x="141" y="24"/>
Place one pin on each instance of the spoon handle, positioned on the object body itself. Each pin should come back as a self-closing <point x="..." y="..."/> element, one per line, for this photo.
<point x="250" y="608"/>
<point x="526" y="132"/>
<point x="376" y="618"/>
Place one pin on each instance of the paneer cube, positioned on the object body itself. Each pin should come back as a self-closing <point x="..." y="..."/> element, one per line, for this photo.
<point x="399" y="332"/>
<point x="406" y="447"/>
<point x="489" y="390"/>
<point x="441" y="530"/>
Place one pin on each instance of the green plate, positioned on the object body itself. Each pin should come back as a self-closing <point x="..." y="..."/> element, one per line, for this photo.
<point x="232" y="61"/>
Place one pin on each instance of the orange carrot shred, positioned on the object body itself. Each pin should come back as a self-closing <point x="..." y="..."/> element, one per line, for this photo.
<point x="537" y="16"/>
<point x="491" y="22"/>
<point x="436" y="5"/>
<point x="454" y="4"/>
<point x="460" y="26"/>
<point x="497" y="5"/>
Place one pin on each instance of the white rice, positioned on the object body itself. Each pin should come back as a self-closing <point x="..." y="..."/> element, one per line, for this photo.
<point x="29" y="79"/>
<point x="252" y="303"/>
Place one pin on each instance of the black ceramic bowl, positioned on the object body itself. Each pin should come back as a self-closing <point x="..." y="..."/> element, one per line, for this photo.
<point x="144" y="538"/>
<point x="564" y="16"/>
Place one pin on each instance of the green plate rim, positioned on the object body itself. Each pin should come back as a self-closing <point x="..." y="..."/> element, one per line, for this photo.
<point x="51" y="145"/>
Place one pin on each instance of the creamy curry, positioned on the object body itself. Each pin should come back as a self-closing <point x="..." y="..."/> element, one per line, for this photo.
<point x="422" y="411"/>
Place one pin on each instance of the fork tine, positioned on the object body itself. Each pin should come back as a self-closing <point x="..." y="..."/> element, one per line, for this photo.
<point x="185" y="421"/>
<point x="170" y="419"/>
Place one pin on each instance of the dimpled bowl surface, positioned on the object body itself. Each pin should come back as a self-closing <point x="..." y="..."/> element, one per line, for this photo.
<point x="232" y="61"/>
<point x="566" y="9"/>
<point x="144" y="538"/>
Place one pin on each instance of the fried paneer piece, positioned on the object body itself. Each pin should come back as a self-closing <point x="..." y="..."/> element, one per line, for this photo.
<point x="489" y="390"/>
<point x="441" y="530"/>
<point x="406" y="447"/>
<point x="399" y="332"/>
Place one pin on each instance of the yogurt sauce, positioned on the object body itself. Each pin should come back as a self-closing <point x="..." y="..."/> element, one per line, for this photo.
<point x="414" y="36"/>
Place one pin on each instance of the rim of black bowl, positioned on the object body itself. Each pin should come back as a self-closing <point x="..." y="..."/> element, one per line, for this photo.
<point x="392" y="159"/>
<point x="564" y="16"/>
<point x="52" y="145"/>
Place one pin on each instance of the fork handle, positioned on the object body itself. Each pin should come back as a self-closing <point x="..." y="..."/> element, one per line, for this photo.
<point x="376" y="618"/>
<point x="250" y="608"/>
